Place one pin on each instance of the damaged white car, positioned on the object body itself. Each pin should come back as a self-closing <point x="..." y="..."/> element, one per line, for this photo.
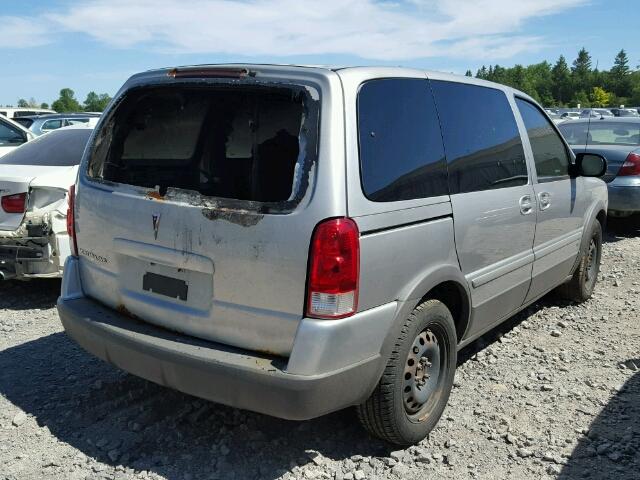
<point x="34" y="185"/>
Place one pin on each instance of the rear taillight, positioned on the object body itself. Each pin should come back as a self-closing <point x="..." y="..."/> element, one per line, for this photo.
<point x="334" y="269"/>
<point x="71" y="224"/>
<point x="631" y="165"/>
<point x="16" y="203"/>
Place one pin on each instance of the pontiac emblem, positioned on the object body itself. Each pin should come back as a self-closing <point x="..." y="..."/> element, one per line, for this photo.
<point x="156" y="224"/>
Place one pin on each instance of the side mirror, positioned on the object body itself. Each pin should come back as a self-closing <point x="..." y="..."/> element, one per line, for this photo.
<point x="590" y="165"/>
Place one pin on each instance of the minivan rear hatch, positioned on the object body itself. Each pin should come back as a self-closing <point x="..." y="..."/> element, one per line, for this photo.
<point x="187" y="212"/>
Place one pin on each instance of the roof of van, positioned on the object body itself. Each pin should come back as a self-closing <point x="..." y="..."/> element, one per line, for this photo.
<point x="376" y="71"/>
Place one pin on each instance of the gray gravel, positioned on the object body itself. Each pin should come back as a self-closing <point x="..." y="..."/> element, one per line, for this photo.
<point x="555" y="393"/>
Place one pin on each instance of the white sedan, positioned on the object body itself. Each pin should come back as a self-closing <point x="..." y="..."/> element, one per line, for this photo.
<point x="12" y="135"/>
<point x="34" y="184"/>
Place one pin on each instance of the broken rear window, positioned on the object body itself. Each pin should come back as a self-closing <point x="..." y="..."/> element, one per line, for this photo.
<point x="234" y="142"/>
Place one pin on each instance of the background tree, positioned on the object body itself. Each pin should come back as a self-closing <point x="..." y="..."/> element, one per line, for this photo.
<point x="95" y="102"/>
<point x="31" y="103"/>
<point x="66" y="102"/>
<point x="44" y="105"/>
<point x="561" y="86"/>
<point x="561" y="81"/>
<point x="620" y="75"/>
<point x="540" y="82"/>
<point x="581" y="72"/>
<point x="581" y="99"/>
<point x="599" y="97"/>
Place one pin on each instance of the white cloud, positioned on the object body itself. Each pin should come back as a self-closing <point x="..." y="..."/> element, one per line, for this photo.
<point x="371" y="29"/>
<point x="20" y="32"/>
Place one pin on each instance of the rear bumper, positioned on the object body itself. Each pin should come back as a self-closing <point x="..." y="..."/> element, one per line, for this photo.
<point x="28" y="257"/>
<point x="212" y="371"/>
<point x="624" y="195"/>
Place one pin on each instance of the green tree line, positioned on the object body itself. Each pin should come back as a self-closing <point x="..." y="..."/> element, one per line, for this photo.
<point x="557" y="85"/>
<point x="561" y="85"/>
<point x="67" y="102"/>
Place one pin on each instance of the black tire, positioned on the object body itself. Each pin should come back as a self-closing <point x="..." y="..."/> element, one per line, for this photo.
<point x="388" y="414"/>
<point x="583" y="282"/>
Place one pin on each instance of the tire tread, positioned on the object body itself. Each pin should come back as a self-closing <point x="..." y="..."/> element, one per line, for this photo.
<point x="377" y="413"/>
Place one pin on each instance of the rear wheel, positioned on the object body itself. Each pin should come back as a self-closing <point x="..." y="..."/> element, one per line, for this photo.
<point x="415" y="385"/>
<point x="583" y="282"/>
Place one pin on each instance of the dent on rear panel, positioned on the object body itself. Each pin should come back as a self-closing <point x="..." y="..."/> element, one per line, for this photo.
<point x="45" y="218"/>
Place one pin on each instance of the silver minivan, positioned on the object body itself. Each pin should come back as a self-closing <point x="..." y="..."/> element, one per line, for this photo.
<point x="297" y="240"/>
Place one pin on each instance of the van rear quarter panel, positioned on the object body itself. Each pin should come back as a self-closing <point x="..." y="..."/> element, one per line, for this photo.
<point x="252" y="294"/>
<point x="401" y="263"/>
<point x="406" y="246"/>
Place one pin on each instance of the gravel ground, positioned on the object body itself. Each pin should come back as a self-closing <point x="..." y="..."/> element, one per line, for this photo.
<point x="554" y="393"/>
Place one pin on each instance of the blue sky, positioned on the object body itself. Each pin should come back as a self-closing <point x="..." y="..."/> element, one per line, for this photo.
<point x="97" y="44"/>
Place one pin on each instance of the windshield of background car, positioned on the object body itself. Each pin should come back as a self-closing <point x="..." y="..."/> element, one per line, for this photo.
<point x="62" y="148"/>
<point x="602" y="133"/>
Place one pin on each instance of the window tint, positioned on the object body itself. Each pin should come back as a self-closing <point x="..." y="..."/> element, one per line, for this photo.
<point x="401" y="153"/>
<point x="60" y="148"/>
<point x="549" y="151"/>
<point x="10" y="136"/>
<point x="483" y="147"/>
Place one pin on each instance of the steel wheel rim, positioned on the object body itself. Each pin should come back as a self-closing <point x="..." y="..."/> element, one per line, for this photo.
<point x="592" y="264"/>
<point x="421" y="374"/>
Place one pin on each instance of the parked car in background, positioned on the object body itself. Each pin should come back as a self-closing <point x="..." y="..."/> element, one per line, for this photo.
<point x="34" y="184"/>
<point x="555" y="117"/>
<point x="618" y="139"/>
<point x="40" y="124"/>
<point x="12" y="135"/>
<point x="17" y="112"/>
<point x="570" y="115"/>
<point x="337" y="252"/>
<point x="624" y="112"/>
<point x="595" y="113"/>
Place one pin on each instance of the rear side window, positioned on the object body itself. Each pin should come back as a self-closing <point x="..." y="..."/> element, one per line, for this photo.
<point x="401" y="152"/>
<point x="51" y="125"/>
<point x="25" y="122"/>
<point x="481" y="138"/>
<point x="75" y="121"/>
<point x="10" y="136"/>
<point x="549" y="151"/>
<point x="62" y="148"/>
<point x="240" y="143"/>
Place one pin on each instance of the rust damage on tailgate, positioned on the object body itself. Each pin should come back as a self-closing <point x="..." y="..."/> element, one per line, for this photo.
<point x="242" y="212"/>
<point x="242" y="218"/>
<point x="121" y="309"/>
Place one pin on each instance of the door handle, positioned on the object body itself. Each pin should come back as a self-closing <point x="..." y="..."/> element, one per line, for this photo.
<point x="526" y="204"/>
<point x="544" y="200"/>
